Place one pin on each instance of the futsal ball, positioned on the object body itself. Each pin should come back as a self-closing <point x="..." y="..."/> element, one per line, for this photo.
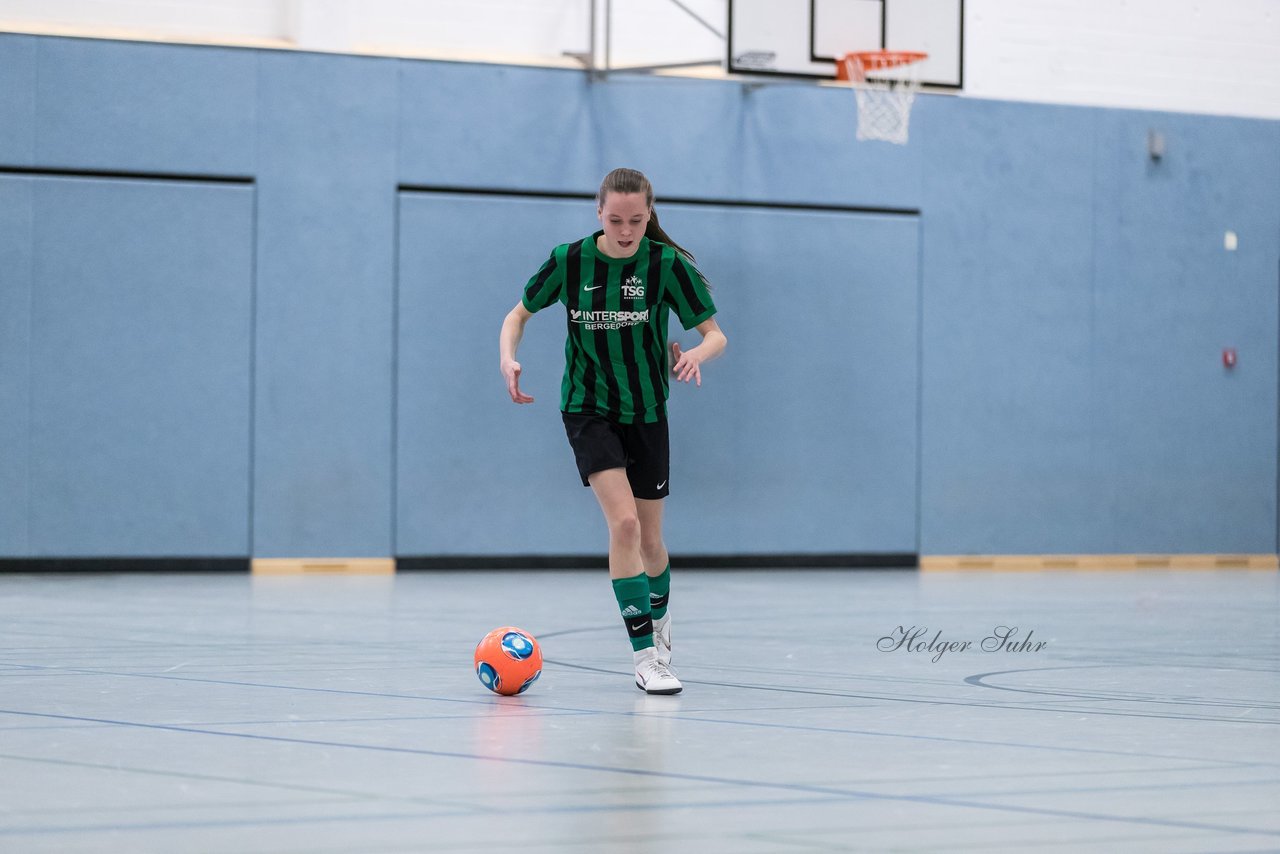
<point x="508" y="660"/>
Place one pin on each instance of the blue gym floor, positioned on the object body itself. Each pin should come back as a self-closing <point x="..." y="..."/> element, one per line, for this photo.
<point x="227" y="713"/>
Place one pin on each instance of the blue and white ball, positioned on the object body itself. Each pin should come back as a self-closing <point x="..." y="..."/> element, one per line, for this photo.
<point x="508" y="660"/>
<point x="518" y="645"/>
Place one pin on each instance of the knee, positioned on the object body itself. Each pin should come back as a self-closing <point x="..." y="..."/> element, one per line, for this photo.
<point x="652" y="547"/>
<point x="625" y="531"/>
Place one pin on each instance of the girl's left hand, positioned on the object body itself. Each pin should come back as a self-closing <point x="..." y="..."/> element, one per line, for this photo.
<point x="686" y="364"/>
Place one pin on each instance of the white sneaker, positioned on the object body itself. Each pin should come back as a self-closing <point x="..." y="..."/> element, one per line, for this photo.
<point x="662" y="639"/>
<point x="652" y="676"/>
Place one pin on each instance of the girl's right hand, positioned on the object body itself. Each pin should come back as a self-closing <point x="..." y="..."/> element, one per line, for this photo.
<point x="511" y="371"/>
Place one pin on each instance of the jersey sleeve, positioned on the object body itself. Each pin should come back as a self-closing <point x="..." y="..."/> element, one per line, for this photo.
<point x="688" y="294"/>
<point x="545" y="286"/>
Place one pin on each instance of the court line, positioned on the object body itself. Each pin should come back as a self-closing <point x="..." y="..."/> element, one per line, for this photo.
<point x="460" y="812"/>
<point x="530" y="704"/>
<point x="330" y="793"/>
<point x="849" y="794"/>
<point x="941" y="702"/>
<point x="978" y="680"/>
<point x="1137" y="787"/>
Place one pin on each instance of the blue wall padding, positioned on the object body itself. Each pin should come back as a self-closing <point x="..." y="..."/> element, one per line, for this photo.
<point x="17" y="244"/>
<point x="476" y="473"/>
<point x="137" y="409"/>
<point x="18" y="100"/>
<point x="1004" y="337"/>
<point x="145" y="107"/>
<point x="804" y="438"/>
<point x="1181" y="435"/>
<point x="764" y="453"/>
<point x="326" y="268"/>
<point x="1077" y="299"/>
<point x="1008" y="258"/>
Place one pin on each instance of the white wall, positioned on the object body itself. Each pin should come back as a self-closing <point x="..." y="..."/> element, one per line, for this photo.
<point x="519" y="31"/>
<point x="644" y="32"/>
<point x="1206" y="56"/>
<point x="1199" y="56"/>
<point x="218" y="21"/>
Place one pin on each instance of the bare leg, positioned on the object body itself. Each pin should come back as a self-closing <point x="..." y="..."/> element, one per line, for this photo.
<point x="653" y="551"/>
<point x="613" y="491"/>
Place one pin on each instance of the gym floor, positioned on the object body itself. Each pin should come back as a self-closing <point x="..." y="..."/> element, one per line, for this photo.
<point x="823" y="710"/>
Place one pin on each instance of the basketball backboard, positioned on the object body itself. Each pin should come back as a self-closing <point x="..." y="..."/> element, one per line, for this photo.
<point x="805" y="37"/>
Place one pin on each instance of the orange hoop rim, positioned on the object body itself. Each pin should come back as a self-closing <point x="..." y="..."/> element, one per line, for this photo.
<point x="874" y="60"/>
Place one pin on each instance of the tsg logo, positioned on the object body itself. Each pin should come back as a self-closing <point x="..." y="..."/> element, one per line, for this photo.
<point x="633" y="288"/>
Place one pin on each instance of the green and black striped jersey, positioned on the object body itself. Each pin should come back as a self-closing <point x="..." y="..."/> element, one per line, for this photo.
<point x="616" y="353"/>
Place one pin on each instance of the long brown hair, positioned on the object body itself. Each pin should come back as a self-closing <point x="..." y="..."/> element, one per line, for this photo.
<point x="634" y="181"/>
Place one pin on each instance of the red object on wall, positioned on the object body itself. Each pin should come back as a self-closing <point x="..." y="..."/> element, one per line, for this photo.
<point x="1229" y="357"/>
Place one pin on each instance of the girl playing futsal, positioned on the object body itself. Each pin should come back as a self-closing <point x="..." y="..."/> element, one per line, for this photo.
<point x="617" y="286"/>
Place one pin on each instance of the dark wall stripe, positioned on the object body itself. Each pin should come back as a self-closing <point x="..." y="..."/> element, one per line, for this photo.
<point x="124" y="176"/>
<point x="851" y="560"/>
<point x="125" y="564"/>
<point x="679" y="563"/>
<point x="674" y="200"/>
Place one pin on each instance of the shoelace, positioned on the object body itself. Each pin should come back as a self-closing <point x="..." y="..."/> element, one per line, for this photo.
<point x="657" y="668"/>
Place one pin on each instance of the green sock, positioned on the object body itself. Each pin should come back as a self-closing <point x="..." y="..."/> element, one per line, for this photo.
<point x="660" y="592"/>
<point x="633" y="601"/>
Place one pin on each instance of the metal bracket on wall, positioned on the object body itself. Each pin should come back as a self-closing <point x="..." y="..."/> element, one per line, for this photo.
<point x="600" y="72"/>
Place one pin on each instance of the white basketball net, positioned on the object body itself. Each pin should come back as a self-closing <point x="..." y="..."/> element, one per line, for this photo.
<point x="885" y="86"/>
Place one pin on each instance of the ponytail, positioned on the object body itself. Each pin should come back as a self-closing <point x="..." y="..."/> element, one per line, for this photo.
<point x="634" y="181"/>
<point x="654" y="232"/>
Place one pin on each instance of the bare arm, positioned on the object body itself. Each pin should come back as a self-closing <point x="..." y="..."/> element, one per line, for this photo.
<point x="508" y="342"/>
<point x="687" y="365"/>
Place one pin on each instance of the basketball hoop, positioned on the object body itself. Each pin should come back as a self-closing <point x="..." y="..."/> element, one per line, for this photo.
<point x="885" y="83"/>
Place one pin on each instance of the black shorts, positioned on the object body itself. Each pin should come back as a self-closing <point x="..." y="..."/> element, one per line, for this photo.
<point x="642" y="449"/>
